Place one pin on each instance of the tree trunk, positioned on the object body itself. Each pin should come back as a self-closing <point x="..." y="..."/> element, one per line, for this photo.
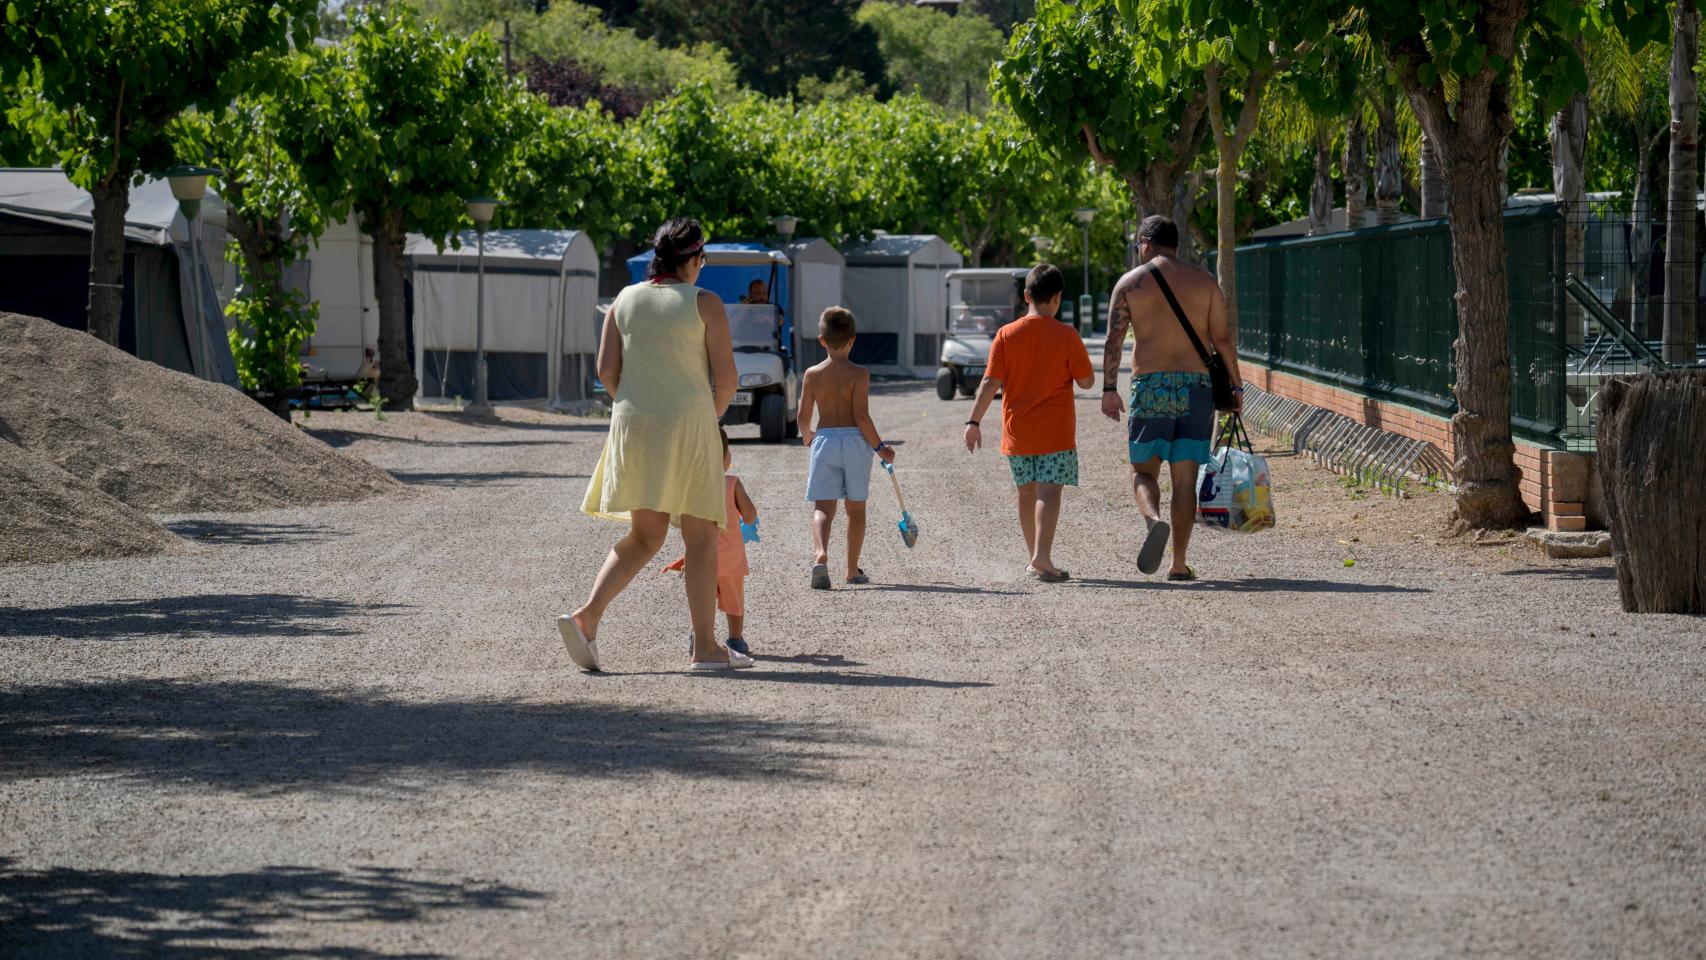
<point x="1681" y="272"/>
<point x="106" y="258"/>
<point x="1185" y="194"/>
<point x="1645" y="316"/>
<point x="1468" y="136"/>
<point x="1356" y="171"/>
<point x="1229" y="144"/>
<point x="1569" y="147"/>
<point x="1433" y="182"/>
<point x="397" y="381"/>
<point x="1652" y="451"/>
<point x="1321" y="191"/>
<point x="1388" y="162"/>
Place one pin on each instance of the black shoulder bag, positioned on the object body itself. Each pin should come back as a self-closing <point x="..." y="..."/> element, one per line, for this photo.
<point x="1220" y="381"/>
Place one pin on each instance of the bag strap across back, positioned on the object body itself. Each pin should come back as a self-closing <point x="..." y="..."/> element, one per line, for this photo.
<point x="1179" y="312"/>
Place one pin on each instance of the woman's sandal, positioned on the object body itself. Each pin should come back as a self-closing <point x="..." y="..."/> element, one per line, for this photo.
<point x="736" y="661"/>
<point x="582" y="651"/>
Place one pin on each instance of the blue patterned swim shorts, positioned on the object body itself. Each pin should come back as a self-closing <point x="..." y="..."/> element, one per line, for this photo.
<point x="1060" y="467"/>
<point x="1172" y="417"/>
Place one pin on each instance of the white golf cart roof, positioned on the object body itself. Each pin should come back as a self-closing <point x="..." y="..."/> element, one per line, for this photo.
<point x="744" y="258"/>
<point x="988" y="272"/>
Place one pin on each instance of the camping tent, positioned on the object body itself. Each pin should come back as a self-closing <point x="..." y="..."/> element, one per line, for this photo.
<point x="820" y="280"/>
<point x="45" y="225"/>
<point x="541" y="314"/>
<point x="897" y="290"/>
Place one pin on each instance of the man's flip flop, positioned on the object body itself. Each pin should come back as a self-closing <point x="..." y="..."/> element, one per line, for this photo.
<point x="1149" y="558"/>
<point x="582" y="651"/>
<point x="820" y="576"/>
<point x="1186" y="577"/>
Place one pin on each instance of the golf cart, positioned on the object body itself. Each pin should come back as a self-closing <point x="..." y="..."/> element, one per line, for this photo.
<point x="980" y="301"/>
<point x="766" y="351"/>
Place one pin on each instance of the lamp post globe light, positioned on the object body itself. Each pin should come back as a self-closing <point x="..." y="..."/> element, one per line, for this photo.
<point x="189" y="186"/>
<point x="785" y="225"/>
<point x="1042" y="244"/>
<point x="480" y="210"/>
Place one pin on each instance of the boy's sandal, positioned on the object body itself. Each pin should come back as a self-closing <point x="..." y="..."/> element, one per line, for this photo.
<point x="1186" y="577"/>
<point x="859" y="578"/>
<point x="739" y="646"/>
<point x="820" y="576"/>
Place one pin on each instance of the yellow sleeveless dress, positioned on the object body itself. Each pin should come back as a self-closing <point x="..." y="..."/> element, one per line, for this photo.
<point x="662" y="452"/>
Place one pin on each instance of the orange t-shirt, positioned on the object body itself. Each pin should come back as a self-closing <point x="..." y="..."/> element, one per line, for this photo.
<point x="1037" y="359"/>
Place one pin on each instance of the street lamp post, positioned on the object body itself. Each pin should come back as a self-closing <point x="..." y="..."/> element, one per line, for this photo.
<point x="480" y="210"/>
<point x="1042" y="244"/>
<point x="1086" y="302"/>
<point x="189" y="186"/>
<point x="785" y="225"/>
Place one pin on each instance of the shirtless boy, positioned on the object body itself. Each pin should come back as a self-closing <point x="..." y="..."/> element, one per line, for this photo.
<point x="841" y="444"/>
<point x="1172" y="404"/>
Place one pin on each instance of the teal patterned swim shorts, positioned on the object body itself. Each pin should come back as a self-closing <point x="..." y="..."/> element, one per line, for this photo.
<point x="1060" y="467"/>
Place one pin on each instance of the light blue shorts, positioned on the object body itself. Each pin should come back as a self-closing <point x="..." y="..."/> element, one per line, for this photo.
<point x="841" y="465"/>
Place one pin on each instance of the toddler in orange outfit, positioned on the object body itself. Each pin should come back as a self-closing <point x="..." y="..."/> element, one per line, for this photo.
<point x="741" y="527"/>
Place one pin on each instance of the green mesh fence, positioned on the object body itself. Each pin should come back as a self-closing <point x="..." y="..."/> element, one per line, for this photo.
<point x="1374" y="311"/>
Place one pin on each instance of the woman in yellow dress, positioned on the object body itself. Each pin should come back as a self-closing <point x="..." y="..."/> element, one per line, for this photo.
<point x="663" y="460"/>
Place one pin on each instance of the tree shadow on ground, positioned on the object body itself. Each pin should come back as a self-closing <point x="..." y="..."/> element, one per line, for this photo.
<point x="1608" y="573"/>
<point x="214" y="615"/>
<point x="272" y="738"/>
<point x="65" y="912"/>
<point x="495" y="423"/>
<point x="934" y="588"/>
<point x="1250" y="585"/>
<point x="237" y="533"/>
<point x="826" y="660"/>
<point x="496" y="478"/>
<point x="343" y="438"/>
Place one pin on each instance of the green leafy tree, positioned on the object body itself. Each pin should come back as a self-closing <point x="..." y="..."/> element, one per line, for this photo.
<point x="1081" y="78"/>
<point x="1240" y="49"/>
<point x="575" y="167"/>
<point x="273" y="218"/>
<point x="401" y="123"/>
<point x="775" y="44"/>
<point x="943" y="58"/>
<point x="118" y="75"/>
<point x="1455" y="60"/>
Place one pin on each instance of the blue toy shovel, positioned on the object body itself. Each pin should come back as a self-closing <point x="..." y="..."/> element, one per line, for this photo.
<point x="908" y="528"/>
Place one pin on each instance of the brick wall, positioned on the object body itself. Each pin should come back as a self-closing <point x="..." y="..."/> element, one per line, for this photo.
<point x="1554" y="482"/>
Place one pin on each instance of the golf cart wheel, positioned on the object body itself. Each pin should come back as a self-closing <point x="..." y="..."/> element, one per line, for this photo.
<point x="772" y="418"/>
<point x="946" y="383"/>
<point x="968" y="387"/>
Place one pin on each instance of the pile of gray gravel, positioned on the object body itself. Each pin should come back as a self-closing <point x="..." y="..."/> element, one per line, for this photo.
<point x="158" y="440"/>
<point x="48" y="515"/>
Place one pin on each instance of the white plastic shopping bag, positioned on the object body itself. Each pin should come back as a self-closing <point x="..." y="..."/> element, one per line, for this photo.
<point x="1233" y="489"/>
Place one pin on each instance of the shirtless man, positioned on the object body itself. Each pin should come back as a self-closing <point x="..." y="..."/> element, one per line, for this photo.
<point x="841" y="444"/>
<point x="1172" y="404"/>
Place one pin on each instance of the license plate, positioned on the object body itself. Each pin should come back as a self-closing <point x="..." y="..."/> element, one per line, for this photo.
<point x="742" y="398"/>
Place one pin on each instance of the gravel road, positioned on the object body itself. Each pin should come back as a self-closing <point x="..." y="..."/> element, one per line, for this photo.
<point x="351" y="732"/>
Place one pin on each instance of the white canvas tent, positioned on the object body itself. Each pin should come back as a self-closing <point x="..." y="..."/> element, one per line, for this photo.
<point x="819" y="281"/>
<point x="897" y="289"/>
<point x="541" y="314"/>
<point x="45" y="226"/>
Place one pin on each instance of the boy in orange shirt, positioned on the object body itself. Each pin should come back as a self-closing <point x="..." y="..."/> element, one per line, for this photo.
<point x="1033" y="363"/>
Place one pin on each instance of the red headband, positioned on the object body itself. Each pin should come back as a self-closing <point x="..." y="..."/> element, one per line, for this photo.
<point x="690" y="251"/>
